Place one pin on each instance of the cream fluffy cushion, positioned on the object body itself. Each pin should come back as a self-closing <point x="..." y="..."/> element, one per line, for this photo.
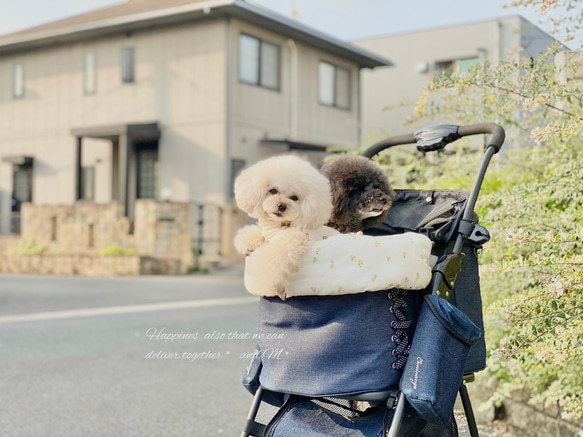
<point x="350" y="263"/>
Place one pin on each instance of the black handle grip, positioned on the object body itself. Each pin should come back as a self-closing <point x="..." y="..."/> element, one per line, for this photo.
<point x="495" y="130"/>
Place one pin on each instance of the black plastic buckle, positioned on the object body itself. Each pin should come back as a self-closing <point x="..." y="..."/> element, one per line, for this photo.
<point x="476" y="234"/>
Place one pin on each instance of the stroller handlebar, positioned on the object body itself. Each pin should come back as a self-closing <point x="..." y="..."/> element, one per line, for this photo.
<point x="433" y="138"/>
<point x="497" y="132"/>
<point x="388" y="143"/>
<point x="436" y="137"/>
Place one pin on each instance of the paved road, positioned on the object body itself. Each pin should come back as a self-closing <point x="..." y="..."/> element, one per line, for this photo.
<point x="74" y="356"/>
<point x="93" y="356"/>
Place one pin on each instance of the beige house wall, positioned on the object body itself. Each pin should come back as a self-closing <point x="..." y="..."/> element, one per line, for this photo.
<point x="570" y="67"/>
<point x="400" y="86"/>
<point x="179" y="82"/>
<point x="293" y="112"/>
<point x="186" y="78"/>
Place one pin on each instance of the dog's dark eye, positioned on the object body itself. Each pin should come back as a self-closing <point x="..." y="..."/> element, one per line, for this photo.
<point x="273" y="191"/>
<point x="294" y="198"/>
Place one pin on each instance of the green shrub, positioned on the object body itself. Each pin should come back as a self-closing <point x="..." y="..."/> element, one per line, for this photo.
<point x="28" y="247"/>
<point x="116" y="250"/>
<point x="532" y="203"/>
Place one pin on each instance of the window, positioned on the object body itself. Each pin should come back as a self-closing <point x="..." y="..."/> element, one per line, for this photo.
<point x="147" y="171"/>
<point x="236" y="166"/>
<point x="127" y="64"/>
<point x="459" y="66"/>
<point x="18" y="81"/>
<point x="89" y="67"/>
<point x="334" y="85"/>
<point x="258" y="62"/>
<point x="21" y="185"/>
<point x="464" y="64"/>
<point x="88" y="183"/>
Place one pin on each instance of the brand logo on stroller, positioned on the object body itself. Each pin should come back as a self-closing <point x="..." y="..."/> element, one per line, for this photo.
<point x="417" y="369"/>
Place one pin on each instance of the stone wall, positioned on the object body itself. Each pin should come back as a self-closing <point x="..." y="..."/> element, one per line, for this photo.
<point x="233" y="220"/>
<point x="9" y="244"/>
<point x="97" y="239"/>
<point x="81" y="228"/>
<point x="163" y="230"/>
<point x="518" y="411"/>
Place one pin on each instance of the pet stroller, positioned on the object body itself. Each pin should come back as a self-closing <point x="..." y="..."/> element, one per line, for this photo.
<point x="384" y="363"/>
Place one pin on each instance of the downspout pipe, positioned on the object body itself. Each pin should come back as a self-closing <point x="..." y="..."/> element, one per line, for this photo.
<point x="229" y="55"/>
<point x="293" y="93"/>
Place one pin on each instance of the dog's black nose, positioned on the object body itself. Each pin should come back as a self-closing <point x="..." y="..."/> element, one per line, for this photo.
<point x="281" y="207"/>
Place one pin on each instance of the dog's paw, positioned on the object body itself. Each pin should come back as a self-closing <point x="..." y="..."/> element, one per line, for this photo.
<point x="281" y="292"/>
<point x="248" y="239"/>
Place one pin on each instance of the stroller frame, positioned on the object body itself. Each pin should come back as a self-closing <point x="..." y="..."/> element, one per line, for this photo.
<point x="431" y="138"/>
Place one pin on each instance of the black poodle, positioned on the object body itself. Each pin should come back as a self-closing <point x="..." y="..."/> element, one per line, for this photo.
<point x="361" y="193"/>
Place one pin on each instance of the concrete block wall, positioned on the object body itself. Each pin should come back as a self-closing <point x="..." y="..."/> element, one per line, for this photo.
<point x="163" y="230"/>
<point x="81" y="228"/>
<point x="518" y="411"/>
<point x="73" y="239"/>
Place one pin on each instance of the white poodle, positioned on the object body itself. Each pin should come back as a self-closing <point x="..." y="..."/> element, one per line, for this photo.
<point x="292" y="202"/>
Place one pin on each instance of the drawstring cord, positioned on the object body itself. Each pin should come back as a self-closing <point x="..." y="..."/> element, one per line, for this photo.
<point x="400" y="338"/>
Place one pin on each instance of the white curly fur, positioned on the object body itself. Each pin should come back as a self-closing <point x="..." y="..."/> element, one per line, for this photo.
<point x="289" y="198"/>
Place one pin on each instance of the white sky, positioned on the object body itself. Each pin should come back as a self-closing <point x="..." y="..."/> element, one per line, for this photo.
<point x="344" y="19"/>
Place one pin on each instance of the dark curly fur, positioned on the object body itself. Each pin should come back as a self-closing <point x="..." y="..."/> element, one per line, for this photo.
<point x="361" y="193"/>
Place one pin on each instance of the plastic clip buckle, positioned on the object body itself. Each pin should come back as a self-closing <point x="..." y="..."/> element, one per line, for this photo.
<point x="474" y="233"/>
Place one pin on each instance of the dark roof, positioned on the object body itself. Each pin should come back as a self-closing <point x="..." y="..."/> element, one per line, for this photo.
<point x="128" y="8"/>
<point x="138" y="14"/>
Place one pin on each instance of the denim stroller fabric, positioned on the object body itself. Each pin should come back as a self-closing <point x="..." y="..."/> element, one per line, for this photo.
<point x="251" y="382"/>
<point x="412" y="207"/>
<point x="466" y="297"/>
<point x="333" y="345"/>
<point x="433" y="374"/>
<point x="300" y="417"/>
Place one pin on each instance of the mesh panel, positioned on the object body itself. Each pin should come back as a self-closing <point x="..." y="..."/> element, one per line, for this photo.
<point x="432" y="430"/>
<point x="346" y="408"/>
<point x="411" y="426"/>
<point x="417" y="427"/>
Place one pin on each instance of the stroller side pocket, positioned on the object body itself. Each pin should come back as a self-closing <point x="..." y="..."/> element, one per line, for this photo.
<point x="438" y="354"/>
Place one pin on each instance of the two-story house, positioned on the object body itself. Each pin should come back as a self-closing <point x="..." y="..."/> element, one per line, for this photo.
<point x="166" y="99"/>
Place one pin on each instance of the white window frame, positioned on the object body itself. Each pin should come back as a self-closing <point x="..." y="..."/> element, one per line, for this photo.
<point x="334" y="103"/>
